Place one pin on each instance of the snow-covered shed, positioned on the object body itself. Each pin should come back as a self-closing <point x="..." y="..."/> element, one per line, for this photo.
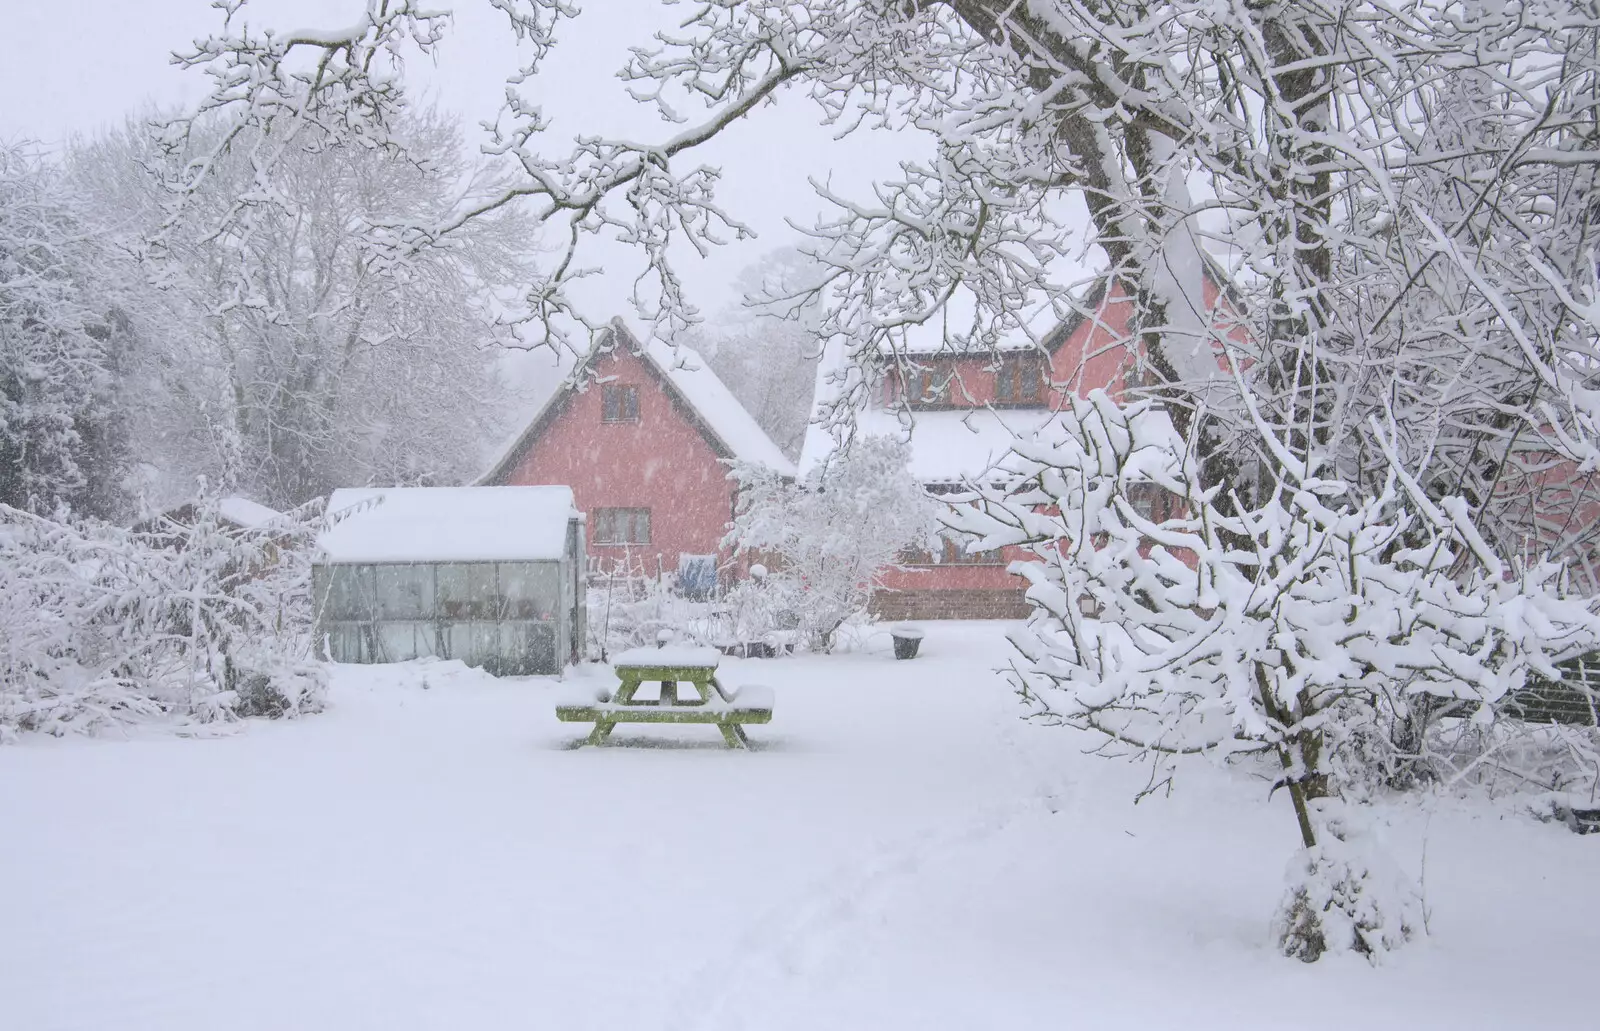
<point x="492" y="576"/>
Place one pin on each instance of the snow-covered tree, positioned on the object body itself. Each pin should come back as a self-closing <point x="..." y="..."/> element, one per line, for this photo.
<point x="59" y="443"/>
<point x="768" y="355"/>
<point x="1173" y="625"/>
<point x="285" y="360"/>
<point x="833" y="532"/>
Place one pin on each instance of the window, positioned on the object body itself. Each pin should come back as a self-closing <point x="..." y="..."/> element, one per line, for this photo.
<point x="956" y="553"/>
<point x="619" y="403"/>
<point x="622" y="526"/>
<point x="530" y="590"/>
<point x="1150" y="502"/>
<point x="951" y="551"/>
<point x="927" y="387"/>
<point x="1019" y="381"/>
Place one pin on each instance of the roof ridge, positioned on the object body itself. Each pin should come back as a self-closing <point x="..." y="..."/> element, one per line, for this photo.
<point x="606" y="340"/>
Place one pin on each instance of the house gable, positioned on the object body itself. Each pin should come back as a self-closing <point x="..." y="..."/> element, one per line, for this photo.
<point x="647" y="466"/>
<point x="679" y="375"/>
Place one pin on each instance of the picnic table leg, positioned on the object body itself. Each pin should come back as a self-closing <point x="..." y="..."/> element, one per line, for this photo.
<point x="629" y="685"/>
<point x="601" y="731"/>
<point x="734" y="735"/>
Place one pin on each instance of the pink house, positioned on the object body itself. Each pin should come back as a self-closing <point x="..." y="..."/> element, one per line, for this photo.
<point x="962" y="411"/>
<point x="643" y="435"/>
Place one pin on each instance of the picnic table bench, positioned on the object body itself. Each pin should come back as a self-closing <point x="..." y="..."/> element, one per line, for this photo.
<point x="670" y="667"/>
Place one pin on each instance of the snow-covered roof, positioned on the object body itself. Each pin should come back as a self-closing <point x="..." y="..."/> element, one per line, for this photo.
<point x="715" y="404"/>
<point x="946" y="446"/>
<point x="447" y="524"/>
<point x="687" y="374"/>
<point x="1041" y="324"/>
<point x="246" y="514"/>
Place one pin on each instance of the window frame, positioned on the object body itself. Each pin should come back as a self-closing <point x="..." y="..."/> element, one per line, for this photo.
<point x="1019" y="380"/>
<point x="917" y="386"/>
<point x="605" y="526"/>
<point x="626" y="406"/>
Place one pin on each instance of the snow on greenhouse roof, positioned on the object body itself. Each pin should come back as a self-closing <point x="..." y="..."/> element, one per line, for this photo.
<point x="447" y="524"/>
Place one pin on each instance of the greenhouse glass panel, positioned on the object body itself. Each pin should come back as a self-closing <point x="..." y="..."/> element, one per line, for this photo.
<point x="485" y="598"/>
<point x="541" y="650"/>
<point x="458" y="642"/>
<point x="531" y="590"/>
<point x="350" y="592"/>
<point x="396" y="642"/>
<point x="344" y="643"/>
<point x="467" y="591"/>
<point x="454" y="592"/>
<point x="404" y="592"/>
<point x="427" y="639"/>
<point x="485" y="643"/>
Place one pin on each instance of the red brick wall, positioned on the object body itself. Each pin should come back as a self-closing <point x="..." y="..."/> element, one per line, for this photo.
<point x="949" y="604"/>
<point x="662" y="462"/>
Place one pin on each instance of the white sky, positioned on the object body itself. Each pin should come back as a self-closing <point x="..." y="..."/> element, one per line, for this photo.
<point x="75" y="66"/>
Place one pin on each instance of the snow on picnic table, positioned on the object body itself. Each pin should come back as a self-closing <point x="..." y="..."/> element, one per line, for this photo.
<point x="669" y="655"/>
<point x="898" y="852"/>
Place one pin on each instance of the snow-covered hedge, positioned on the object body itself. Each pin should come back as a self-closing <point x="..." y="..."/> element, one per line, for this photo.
<point x="104" y="626"/>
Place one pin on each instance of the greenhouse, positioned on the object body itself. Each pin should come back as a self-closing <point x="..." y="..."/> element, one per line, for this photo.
<point x="492" y="576"/>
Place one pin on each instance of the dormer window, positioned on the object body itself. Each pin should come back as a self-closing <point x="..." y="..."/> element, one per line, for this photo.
<point x="1019" y="381"/>
<point x="927" y="387"/>
<point x="619" y="403"/>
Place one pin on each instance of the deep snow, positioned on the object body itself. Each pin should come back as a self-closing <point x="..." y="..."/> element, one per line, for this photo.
<point x="899" y="852"/>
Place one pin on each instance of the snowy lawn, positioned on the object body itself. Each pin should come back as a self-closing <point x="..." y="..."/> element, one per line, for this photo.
<point x="899" y="852"/>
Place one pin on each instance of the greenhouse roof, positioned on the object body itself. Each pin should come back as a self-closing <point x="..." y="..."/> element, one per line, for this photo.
<point x="447" y="524"/>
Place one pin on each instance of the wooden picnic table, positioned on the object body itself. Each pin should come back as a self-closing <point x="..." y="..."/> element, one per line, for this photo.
<point x="670" y="667"/>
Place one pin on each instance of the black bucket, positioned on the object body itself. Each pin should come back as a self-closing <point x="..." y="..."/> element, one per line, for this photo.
<point x="906" y="644"/>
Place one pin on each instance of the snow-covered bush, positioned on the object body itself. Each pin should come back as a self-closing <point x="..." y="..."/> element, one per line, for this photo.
<point x="1290" y="628"/>
<point x="1346" y="893"/>
<point x="636" y="605"/>
<point x="201" y="622"/>
<point x="836" y="531"/>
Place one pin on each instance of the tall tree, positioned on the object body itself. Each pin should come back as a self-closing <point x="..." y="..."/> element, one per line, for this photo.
<point x="768" y="354"/>
<point x="285" y="356"/>
<point x="60" y="445"/>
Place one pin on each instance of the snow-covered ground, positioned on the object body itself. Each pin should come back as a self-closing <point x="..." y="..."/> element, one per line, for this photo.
<point x="900" y="852"/>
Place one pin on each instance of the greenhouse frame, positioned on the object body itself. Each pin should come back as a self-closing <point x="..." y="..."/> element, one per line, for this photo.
<point x="492" y="576"/>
